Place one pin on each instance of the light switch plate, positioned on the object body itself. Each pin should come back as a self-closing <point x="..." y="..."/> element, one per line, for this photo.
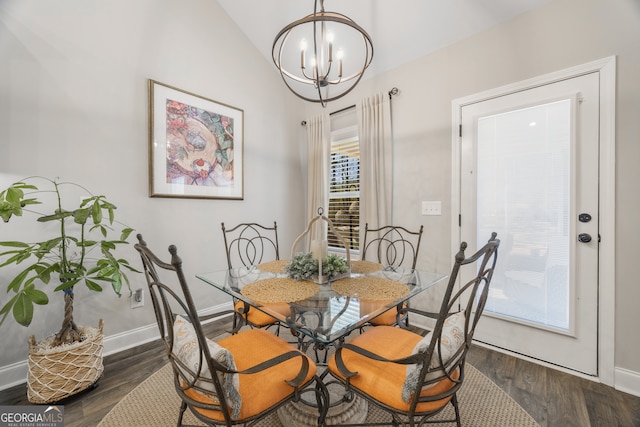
<point x="432" y="208"/>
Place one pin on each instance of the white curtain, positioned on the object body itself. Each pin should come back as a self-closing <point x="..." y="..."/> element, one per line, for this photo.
<point x="318" y="157"/>
<point x="376" y="161"/>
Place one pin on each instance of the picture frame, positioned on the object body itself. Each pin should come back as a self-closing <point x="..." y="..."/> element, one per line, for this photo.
<point x="195" y="145"/>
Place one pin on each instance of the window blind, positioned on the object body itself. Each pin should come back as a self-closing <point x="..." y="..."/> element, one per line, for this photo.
<point x="344" y="188"/>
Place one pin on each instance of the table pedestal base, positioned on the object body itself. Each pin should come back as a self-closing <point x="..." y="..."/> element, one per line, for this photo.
<point x="299" y="414"/>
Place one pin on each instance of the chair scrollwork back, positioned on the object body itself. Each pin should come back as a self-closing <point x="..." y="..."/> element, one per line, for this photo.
<point x="250" y="244"/>
<point x="392" y="245"/>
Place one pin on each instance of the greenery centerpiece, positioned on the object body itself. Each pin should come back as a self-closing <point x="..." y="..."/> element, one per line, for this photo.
<point x="79" y="249"/>
<point x="304" y="266"/>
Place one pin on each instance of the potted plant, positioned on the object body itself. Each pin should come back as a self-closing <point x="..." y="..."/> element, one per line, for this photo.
<point x="78" y="249"/>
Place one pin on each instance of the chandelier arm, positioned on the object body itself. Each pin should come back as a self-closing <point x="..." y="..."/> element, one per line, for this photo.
<point x="306" y="98"/>
<point x="304" y="73"/>
<point x="283" y="71"/>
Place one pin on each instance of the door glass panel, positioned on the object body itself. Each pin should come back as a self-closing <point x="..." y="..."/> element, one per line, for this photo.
<point x="523" y="164"/>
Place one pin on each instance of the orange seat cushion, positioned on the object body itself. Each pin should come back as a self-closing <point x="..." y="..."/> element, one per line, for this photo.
<point x="264" y="389"/>
<point x="384" y="381"/>
<point x="386" y="318"/>
<point x="260" y="318"/>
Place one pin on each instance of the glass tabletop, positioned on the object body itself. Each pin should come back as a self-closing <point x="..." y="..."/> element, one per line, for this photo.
<point x="324" y="312"/>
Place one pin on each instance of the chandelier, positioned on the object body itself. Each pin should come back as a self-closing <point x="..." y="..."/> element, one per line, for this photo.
<point x="322" y="56"/>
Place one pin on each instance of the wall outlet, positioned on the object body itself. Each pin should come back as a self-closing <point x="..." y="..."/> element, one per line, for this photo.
<point x="137" y="298"/>
<point x="432" y="208"/>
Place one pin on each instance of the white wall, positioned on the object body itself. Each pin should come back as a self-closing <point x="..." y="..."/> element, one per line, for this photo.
<point x="73" y="104"/>
<point x="560" y="35"/>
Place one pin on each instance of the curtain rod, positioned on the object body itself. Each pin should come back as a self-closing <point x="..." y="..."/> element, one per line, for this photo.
<point x="393" y="91"/>
<point x="343" y="109"/>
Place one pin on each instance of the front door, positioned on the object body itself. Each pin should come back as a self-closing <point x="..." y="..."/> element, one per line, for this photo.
<point x="529" y="171"/>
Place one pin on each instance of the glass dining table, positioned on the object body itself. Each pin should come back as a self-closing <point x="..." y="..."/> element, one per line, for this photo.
<point x="320" y="316"/>
<point x="323" y="313"/>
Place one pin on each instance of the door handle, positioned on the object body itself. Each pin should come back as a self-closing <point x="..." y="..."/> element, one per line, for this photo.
<point x="584" y="237"/>
<point x="584" y="217"/>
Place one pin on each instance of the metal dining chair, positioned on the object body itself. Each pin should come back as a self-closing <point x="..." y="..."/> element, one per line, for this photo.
<point x="246" y="245"/>
<point x="414" y="377"/>
<point x="394" y="247"/>
<point x="237" y="380"/>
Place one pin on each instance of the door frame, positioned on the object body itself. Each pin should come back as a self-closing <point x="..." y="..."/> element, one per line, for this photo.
<point x="606" y="68"/>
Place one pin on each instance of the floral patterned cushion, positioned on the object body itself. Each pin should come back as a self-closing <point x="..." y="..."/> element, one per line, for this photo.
<point x="452" y="339"/>
<point x="185" y="346"/>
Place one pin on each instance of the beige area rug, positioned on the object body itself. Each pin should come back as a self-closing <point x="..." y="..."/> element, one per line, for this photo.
<point x="154" y="403"/>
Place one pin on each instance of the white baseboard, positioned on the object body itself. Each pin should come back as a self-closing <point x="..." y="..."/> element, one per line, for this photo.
<point x="16" y="373"/>
<point x="627" y="381"/>
<point x="13" y="375"/>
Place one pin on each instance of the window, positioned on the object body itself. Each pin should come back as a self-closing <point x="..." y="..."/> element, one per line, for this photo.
<point x="344" y="188"/>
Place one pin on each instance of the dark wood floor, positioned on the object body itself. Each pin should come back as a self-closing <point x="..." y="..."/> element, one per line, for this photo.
<point x="553" y="398"/>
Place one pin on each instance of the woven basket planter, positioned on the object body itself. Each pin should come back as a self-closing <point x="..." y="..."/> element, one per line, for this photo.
<point x="56" y="373"/>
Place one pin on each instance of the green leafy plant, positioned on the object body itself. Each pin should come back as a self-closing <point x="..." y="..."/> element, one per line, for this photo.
<point x="304" y="266"/>
<point x="334" y="265"/>
<point x="79" y="251"/>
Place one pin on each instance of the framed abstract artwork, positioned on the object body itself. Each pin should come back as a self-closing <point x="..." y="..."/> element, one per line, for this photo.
<point x="195" y="146"/>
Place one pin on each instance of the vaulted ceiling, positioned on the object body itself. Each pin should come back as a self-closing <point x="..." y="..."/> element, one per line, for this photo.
<point x="401" y="30"/>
